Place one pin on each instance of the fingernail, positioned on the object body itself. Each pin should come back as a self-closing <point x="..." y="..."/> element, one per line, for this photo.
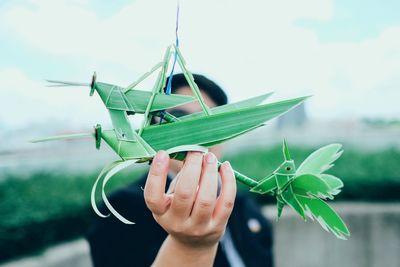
<point x="160" y="157"/>
<point x="227" y="165"/>
<point x="210" y="158"/>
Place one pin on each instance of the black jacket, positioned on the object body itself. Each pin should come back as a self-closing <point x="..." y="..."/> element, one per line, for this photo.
<point x="116" y="244"/>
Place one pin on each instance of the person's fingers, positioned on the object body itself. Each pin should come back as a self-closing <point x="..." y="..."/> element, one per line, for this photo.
<point x="226" y="199"/>
<point x="186" y="185"/>
<point x="154" y="191"/>
<point x="207" y="193"/>
<point x="171" y="188"/>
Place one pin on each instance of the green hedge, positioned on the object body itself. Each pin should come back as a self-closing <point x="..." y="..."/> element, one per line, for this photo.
<point x="47" y="208"/>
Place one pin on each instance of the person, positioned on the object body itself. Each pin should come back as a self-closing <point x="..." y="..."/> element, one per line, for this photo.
<point x="198" y="221"/>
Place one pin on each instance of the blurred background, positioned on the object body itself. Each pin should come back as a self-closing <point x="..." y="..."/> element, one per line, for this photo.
<point x="344" y="53"/>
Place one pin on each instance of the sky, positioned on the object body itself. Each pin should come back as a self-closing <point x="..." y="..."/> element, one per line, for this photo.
<point x="344" y="53"/>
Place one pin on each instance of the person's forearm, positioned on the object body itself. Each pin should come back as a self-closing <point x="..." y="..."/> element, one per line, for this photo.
<point x="174" y="253"/>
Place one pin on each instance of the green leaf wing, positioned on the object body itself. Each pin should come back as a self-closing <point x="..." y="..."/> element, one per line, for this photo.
<point x="334" y="183"/>
<point x="308" y="184"/>
<point x="266" y="185"/>
<point x="291" y="199"/>
<point x="320" y="160"/>
<point x="329" y="220"/>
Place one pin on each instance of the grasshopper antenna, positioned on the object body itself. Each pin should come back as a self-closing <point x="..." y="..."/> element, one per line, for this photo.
<point x="57" y="83"/>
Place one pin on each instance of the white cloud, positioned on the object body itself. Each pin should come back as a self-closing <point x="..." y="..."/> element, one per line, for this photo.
<point x="26" y="101"/>
<point x="249" y="47"/>
<point x="73" y="29"/>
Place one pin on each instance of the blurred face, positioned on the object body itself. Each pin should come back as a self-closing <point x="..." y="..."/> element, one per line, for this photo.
<point x="193" y="107"/>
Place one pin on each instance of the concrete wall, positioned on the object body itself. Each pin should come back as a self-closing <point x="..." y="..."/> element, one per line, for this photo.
<point x="375" y="241"/>
<point x="71" y="254"/>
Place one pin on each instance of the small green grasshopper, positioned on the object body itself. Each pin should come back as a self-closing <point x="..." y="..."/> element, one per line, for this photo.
<point x="306" y="188"/>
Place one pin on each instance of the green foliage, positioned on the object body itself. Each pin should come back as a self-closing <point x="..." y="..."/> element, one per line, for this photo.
<point x="47" y="208"/>
<point x="382" y="123"/>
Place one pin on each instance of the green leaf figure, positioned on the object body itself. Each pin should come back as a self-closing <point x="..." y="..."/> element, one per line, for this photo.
<point x="301" y="189"/>
<point x="305" y="188"/>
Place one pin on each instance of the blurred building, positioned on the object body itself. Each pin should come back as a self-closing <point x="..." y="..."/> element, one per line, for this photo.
<point x="295" y="118"/>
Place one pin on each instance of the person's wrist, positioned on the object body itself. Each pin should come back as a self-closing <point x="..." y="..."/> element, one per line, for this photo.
<point x="174" y="252"/>
<point x="192" y="246"/>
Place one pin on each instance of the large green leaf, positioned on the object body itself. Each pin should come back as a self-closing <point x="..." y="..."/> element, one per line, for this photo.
<point x="215" y="127"/>
<point x="320" y="160"/>
<point x="250" y="102"/>
<point x="210" y="144"/>
<point x="329" y="220"/>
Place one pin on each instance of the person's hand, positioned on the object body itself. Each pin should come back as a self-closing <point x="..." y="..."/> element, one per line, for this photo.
<point x="193" y="215"/>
